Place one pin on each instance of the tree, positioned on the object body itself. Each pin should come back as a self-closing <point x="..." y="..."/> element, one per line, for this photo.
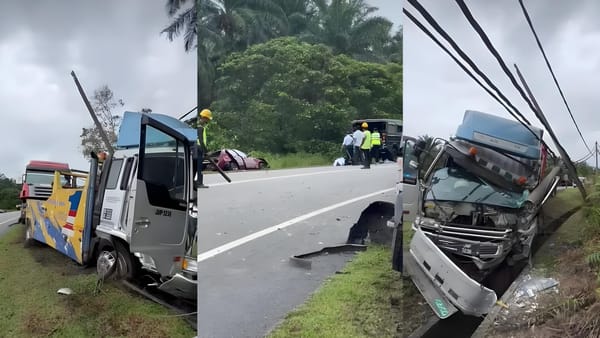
<point x="146" y="110"/>
<point x="393" y="49"/>
<point x="348" y="27"/>
<point x="103" y="102"/>
<point x="185" y="20"/>
<point x="290" y="96"/>
<point x="9" y="193"/>
<point x="231" y="25"/>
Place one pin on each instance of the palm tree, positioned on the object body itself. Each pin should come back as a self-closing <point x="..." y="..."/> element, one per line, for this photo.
<point x="233" y="25"/>
<point x="393" y="49"/>
<point x="184" y="21"/>
<point x="348" y="27"/>
<point x="226" y="26"/>
<point x="430" y="147"/>
<point x="299" y="14"/>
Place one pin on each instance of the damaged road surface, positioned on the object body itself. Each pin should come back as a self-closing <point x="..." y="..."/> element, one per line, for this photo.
<point x="248" y="284"/>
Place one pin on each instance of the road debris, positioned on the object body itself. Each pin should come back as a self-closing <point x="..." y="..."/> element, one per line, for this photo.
<point x="64" y="291"/>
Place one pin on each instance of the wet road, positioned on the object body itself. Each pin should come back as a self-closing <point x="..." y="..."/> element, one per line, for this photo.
<point x="248" y="229"/>
<point x="7" y="219"/>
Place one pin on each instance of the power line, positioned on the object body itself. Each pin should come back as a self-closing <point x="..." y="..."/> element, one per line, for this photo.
<point x="551" y="71"/>
<point x="463" y="55"/>
<point x="463" y="7"/>
<point x="585" y="158"/>
<point x="516" y="114"/>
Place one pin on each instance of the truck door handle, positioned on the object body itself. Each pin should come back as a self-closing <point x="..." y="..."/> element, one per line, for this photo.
<point x="142" y="222"/>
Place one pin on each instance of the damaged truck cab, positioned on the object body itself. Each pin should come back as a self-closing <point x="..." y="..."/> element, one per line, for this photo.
<point x="134" y="214"/>
<point x="477" y="206"/>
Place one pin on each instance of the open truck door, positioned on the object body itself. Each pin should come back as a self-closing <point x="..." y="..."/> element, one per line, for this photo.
<point x="162" y="196"/>
<point x="410" y="179"/>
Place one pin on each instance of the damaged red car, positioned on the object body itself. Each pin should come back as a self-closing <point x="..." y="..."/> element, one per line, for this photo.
<point x="233" y="159"/>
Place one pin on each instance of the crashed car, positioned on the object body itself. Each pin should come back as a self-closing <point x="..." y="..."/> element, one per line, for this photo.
<point x="233" y="159"/>
<point x="478" y="206"/>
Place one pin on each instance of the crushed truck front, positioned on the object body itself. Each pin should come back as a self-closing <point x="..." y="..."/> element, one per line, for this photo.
<point x="479" y="203"/>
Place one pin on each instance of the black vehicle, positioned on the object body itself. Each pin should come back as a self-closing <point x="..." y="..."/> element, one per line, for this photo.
<point x="391" y="135"/>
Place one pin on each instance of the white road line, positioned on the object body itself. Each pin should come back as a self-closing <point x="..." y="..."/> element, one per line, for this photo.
<point x="228" y="246"/>
<point x="10" y="220"/>
<point x="287" y="176"/>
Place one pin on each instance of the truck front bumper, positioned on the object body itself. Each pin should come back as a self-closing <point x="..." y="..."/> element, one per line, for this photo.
<point x="181" y="286"/>
<point x="445" y="287"/>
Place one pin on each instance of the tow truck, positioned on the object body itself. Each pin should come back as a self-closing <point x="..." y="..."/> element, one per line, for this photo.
<point x="476" y="206"/>
<point x="134" y="213"/>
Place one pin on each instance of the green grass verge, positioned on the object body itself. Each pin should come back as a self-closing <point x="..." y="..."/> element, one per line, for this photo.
<point x="363" y="301"/>
<point x="295" y="160"/>
<point x="31" y="307"/>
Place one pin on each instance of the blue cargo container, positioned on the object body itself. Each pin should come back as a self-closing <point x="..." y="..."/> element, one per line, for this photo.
<point x="500" y="134"/>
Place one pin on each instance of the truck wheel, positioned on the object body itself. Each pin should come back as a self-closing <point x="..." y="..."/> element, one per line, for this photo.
<point x="116" y="263"/>
<point x="128" y="267"/>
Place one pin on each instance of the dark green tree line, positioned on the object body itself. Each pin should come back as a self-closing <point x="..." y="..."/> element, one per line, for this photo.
<point x="9" y="193"/>
<point x="289" y="96"/>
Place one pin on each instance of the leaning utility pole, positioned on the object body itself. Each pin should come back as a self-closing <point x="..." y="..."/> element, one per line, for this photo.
<point x="563" y="154"/>
<point x="596" y="153"/>
<point x="103" y="134"/>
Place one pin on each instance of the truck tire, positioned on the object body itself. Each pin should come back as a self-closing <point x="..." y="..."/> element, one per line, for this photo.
<point x="116" y="262"/>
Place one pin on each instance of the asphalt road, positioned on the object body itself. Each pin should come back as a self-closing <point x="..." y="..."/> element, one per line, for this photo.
<point x="249" y="228"/>
<point x="7" y="219"/>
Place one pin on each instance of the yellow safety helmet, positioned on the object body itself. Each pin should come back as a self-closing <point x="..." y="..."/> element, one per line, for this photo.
<point x="365" y="125"/>
<point x="206" y="114"/>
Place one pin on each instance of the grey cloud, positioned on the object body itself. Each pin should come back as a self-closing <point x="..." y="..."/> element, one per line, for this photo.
<point x="117" y="43"/>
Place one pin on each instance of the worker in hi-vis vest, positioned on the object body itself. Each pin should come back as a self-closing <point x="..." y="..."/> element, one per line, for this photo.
<point x="203" y="118"/>
<point x="366" y="146"/>
<point x="375" y="144"/>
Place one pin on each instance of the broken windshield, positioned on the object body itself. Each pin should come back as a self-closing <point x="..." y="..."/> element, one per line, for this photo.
<point x="458" y="185"/>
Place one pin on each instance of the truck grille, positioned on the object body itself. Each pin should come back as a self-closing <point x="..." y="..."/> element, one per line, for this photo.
<point x="481" y="242"/>
<point x="42" y="192"/>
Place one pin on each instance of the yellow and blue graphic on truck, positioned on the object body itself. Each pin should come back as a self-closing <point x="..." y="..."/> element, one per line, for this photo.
<point x="59" y="221"/>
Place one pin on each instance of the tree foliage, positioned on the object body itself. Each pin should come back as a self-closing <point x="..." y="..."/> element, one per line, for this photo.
<point x="184" y="21"/>
<point x="346" y="26"/>
<point x="290" y="96"/>
<point x="9" y="193"/>
<point x="103" y="102"/>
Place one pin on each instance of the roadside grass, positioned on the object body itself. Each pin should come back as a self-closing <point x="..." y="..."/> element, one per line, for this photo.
<point x="568" y="235"/>
<point x="572" y="256"/>
<point x="364" y="300"/>
<point x="294" y="160"/>
<point x="31" y="307"/>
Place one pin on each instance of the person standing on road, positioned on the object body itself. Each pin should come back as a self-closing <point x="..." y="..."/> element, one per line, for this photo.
<point x="366" y="146"/>
<point x="358" y="138"/>
<point x="376" y="144"/>
<point x="204" y="118"/>
<point x="348" y="147"/>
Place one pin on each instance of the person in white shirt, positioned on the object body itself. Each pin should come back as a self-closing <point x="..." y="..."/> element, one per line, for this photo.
<point x="358" y="138"/>
<point x="348" y="147"/>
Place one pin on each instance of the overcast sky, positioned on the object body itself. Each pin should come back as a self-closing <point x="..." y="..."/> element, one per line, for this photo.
<point x="117" y="43"/>
<point x="437" y="91"/>
<point x="389" y="9"/>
